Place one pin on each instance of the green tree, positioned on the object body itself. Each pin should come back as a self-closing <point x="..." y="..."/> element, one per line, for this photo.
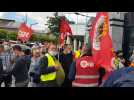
<point x="3" y="34"/>
<point x="43" y="37"/>
<point x="53" y="24"/>
<point x="12" y="35"/>
<point x="33" y="38"/>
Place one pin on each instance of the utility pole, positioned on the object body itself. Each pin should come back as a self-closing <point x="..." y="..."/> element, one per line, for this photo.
<point x="26" y="18"/>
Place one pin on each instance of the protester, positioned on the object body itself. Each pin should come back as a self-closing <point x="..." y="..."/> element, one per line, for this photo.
<point x="34" y="71"/>
<point x="45" y="47"/>
<point x="20" y="70"/>
<point x="66" y="59"/>
<point x="114" y="61"/>
<point x="27" y="56"/>
<point x="7" y="61"/>
<point x="1" y="65"/>
<point x="83" y="72"/>
<point x="49" y="65"/>
<point x="121" y="59"/>
<point x="117" y="61"/>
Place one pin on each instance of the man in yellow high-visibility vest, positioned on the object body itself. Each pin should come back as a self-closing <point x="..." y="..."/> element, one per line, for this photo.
<point x="49" y="65"/>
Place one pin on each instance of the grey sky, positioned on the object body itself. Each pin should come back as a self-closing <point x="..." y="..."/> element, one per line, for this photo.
<point x="41" y="17"/>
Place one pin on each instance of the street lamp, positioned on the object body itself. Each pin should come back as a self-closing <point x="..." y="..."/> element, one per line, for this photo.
<point x="81" y="14"/>
<point x="33" y="24"/>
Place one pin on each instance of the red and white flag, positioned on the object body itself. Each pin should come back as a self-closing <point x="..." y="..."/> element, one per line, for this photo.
<point x="65" y="30"/>
<point x="24" y="33"/>
<point x="101" y="41"/>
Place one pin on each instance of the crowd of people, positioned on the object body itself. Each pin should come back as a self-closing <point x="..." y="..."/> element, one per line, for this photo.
<point x="48" y="65"/>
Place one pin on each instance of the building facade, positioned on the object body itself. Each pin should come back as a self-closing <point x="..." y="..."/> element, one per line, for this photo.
<point x="128" y="38"/>
<point x="117" y="29"/>
<point x="9" y="25"/>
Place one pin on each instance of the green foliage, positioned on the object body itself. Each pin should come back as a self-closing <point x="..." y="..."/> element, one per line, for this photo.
<point x="53" y="24"/>
<point x="8" y="35"/>
<point x="3" y="34"/>
<point x="12" y="36"/>
<point x="33" y="38"/>
<point x="43" y="37"/>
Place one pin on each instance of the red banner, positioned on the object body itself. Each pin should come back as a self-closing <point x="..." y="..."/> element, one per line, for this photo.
<point x="24" y="33"/>
<point x="65" y="30"/>
<point x="101" y="41"/>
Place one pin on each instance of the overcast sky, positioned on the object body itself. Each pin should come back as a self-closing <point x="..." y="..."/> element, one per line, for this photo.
<point x="41" y="17"/>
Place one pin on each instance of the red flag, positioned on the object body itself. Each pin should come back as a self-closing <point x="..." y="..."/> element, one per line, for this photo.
<point x="65" y="30"/>
<point x="24" y="33"/>
<point x="101" y="41"/>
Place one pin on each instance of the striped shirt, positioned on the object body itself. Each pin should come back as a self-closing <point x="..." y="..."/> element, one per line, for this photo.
<point x="7" y="59"/>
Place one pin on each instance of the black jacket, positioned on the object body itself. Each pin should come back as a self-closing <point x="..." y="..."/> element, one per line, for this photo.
<point x="20" y="70"/>
<point x="66" y="61"/>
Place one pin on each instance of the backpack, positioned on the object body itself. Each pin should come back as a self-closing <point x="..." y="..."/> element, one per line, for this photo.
<point x="126" y="79"/>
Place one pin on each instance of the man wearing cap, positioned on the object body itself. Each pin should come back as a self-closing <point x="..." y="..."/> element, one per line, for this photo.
<point x="20" y="70"/>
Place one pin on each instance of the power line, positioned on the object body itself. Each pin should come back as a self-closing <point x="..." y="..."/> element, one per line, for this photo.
<point x="81" y="14"/>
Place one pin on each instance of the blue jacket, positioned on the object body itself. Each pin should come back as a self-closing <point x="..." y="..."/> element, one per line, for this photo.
<point x="20" y="70"/>
<point x="115" y="75"/>
<point x="28" y="59"/>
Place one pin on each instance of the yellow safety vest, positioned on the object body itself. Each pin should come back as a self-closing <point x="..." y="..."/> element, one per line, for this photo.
<point x="77" y="54"/>
<point x="50" y="76"/>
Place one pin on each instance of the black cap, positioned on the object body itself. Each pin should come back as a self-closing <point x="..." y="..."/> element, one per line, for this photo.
<point x="17" y="47"/>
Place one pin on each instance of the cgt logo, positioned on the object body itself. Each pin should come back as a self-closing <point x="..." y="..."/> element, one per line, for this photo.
<point x="85" y="64"/>
<point x="23" y="34"/>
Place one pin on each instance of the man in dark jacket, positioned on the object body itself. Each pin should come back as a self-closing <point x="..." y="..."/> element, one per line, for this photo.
<point x="66" y="59"/>
<point x="27" y="57"/>
<point x="20" y="70"/>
